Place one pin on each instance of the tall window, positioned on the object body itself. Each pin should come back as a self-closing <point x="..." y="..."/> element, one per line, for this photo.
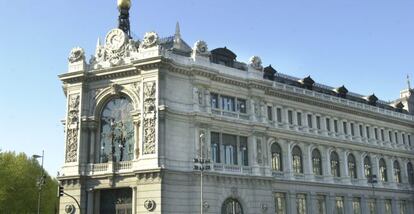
<point x="345" y="127"/>
<point x="310" y="122"/>
<point x="336" y="126"/>
<point x="390" y="136"/>
<point x="230" y="149"/>
<point x="383" y="170"/>
<point x="279" y="115"/>
<point x="361" y="131"/>
<point x="299" y="118"/>
<point x="403" y="138"/>
<point x="335" y="164"/>
<point x="367" y="167"/>
<point x="356" y="205"/>
<point x="352" y="166"/>
<point x="376" y="133"/>
<point x="301" y="204"/>
<point x="339" y="205"/>
<point x="403" y="207"/>
<point x="368" y="132"/>
<point x="241" y="105"/>
<point x="117" y="131"/>
<point x="297" y="160"/>
<point x="228" y="103"/>
<point x="318" y="122"/>
<point x="316" y="162"/>
<point x="397" y="172"/>
<point x="382" y="135"/>
<point x="270" y="113"/>
<point x="276" y="157"/>
<point x="215" y="147"/>
<point x="321" y="204"/>
<point x="388" y="206"/>
<point x="243" y="151"/>
<point x="280" y="203"/>
<point x="352" y="129"/>
<point x="410" y="173"/>
<point x="371" y="206"/>
<point x="214" y="100"/>
<point x="396" y="138"/>
<point x="290" y="117"/>
<point x="227" y="148"/>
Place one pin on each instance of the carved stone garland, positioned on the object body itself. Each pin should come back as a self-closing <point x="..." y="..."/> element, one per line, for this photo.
<point x="72" y="129"/>
<point x="149" y="117"/>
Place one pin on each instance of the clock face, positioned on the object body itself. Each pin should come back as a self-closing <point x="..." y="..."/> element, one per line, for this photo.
<point x="115" y="39"/>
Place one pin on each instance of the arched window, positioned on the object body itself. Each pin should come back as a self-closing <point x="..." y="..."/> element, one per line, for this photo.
<point x="116" y="131"/>
<point x="383" y="170"/>
<point x="297" y="160"/>
<point x="316" y="162"/>
<point x="352" y="166"/>
<point x="397" y="172"/>
<point x="367" y="167"/>
<point x="410" y="173"/>
<point x="335" y="164"/>
<point x="231" y="206"/>
<point x="276" y="157"/>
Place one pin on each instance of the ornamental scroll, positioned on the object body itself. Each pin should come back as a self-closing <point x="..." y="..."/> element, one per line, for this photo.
<point x="149" y="117"/>
<point x="72" y="129"/>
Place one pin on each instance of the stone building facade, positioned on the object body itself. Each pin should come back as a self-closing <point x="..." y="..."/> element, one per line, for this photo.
<point x="139" y="112"/>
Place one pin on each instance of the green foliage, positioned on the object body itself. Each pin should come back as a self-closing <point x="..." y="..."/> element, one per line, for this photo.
<point x="19" y="176"/>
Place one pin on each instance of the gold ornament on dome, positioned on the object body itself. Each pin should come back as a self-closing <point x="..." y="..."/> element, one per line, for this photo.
<point x="124" y="4"/>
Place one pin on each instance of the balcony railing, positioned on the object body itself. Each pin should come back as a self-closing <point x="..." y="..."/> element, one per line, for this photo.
<point x="231" y="169"/>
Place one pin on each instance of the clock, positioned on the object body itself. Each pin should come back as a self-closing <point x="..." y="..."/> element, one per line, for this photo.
<point x="115" y="39"/>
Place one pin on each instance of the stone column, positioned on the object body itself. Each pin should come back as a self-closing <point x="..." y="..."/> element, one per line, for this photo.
<point x="291" y="201"/>
<point x="134" y="200"/>
<point x="395" y="207"/>
<point x="348" y="199"/>
<point x="287" y="158"/>
<point x="137" y="137"/>
<point x="313" y="201"/>
<point x="92" y="143"/>
<point x="326" y="164"/>
<point x="380" y="205"/>
<point x="307" y="162"/>
<point x="343" y="161"/>
<point x="364" y="204"/>
<point x="330" y="203"/>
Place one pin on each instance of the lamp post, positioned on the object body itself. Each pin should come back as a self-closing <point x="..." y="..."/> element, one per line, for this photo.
<point x="201" y="164"/>
<point x="41" y="180"/>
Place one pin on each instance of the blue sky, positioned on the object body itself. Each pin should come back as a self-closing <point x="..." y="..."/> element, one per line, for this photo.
<point x="365" y="45"/>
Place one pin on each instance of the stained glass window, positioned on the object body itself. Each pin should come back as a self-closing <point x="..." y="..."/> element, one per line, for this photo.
<point x="117" y="131"/>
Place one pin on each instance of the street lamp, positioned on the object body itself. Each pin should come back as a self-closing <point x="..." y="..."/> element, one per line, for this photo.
<point x="41" y="181"/>
<point x="201" y="164"/>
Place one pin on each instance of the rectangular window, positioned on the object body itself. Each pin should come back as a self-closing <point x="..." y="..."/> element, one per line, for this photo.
<point x="214" y="100"/>
<point x="368" y="133"/>
<point x="280" y="203"/>
<point x="299" y="118"/>
<point x="356" y="205"/>
<point x="361" y="131"/>
<point x="241" y="106"/>
<point x="227" y="103"/>
<point x="345" y="127"/>
<point x="244" y="151"/>
<point x="279" y="115"/>
<point x="396" y="138"/>
<point x="336" y="126"/>
<point x="310" y="124"/>
<point x="290" y="117"/>
<point x="339" y="205"/>
<point x="301" y="204"/>
<point x="352" y="129"/>
<point x="409" y="140"/>
<point x="371" y="206"/>
<point x="376" y="133"/>
<point x="321" y="204"/>
<point x="230" y="149"/>
<point x="390" y="136"/>
<point x="269" y="113"/>
<point x="403" y="138"/>
<point x="318" y="122"/>
<point x="403" y="207"/>
<point x="215" y="147"/>
<point x="328" y="124"/>
<point x="388" y="207"/>
<point x="382" y="135"/>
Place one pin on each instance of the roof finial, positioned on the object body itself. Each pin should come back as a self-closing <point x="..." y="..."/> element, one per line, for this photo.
<point x="177" y="30"/>
<point x="408" y="82"/>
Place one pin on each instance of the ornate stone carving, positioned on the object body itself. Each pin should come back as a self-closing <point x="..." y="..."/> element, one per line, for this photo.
<point x="72" y="128"/>
<point x="76" y="54"/>
<point x="116" y="50"/>
<point x="256" y="63"/>
<point x="259" y="151"/>
<point x="115" y="89"/>
<point x="151" y="39"/>
<point x="149" y="123"/>
<point x="201" y="48"/>
<point x="150" y="205"/>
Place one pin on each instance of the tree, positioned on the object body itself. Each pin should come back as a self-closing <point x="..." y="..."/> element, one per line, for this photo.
<point x="19" y="176"/>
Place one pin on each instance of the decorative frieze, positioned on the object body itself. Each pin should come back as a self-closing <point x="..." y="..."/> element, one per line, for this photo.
<point x="72" y="128"/>
<point x="149" y="119"/>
